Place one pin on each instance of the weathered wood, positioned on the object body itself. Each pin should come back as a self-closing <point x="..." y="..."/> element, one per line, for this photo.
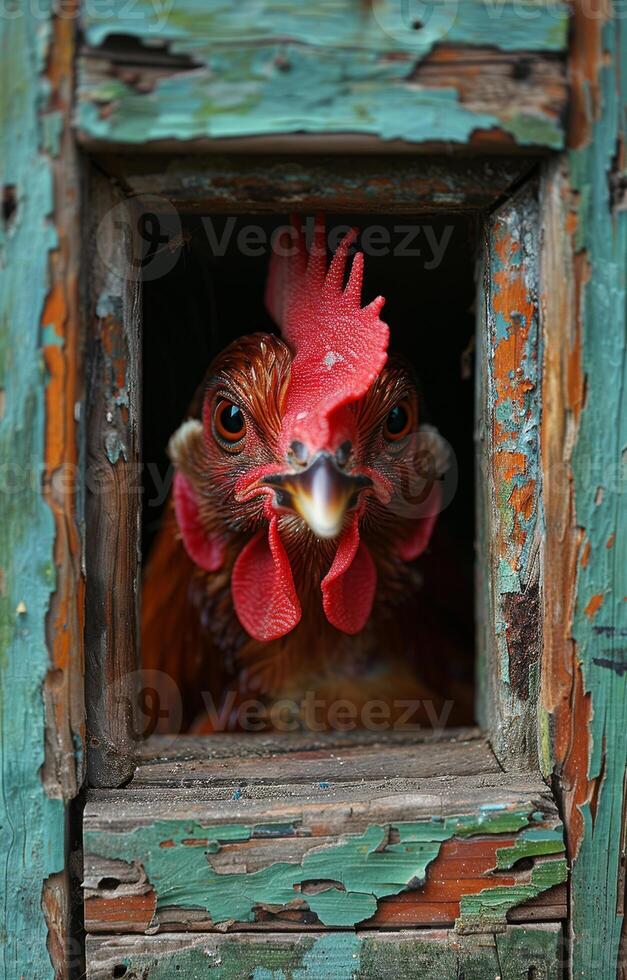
<point x="343" y="183"/>
<point x="63" y="342"/>
<point x="585" y="326"/>
<point x="346" y="763"/>
<point x="40" y="580"/>
<point x="112" y="496"/>
<point x="182" y="748"/>
<point x="200" y="72"/>
<point x="518" y="953"/>
<point x="321" y="848"/>
<point x="508" y="415"/>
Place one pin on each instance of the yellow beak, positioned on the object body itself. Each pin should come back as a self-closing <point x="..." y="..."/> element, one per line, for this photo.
<point x="321" y="494"/>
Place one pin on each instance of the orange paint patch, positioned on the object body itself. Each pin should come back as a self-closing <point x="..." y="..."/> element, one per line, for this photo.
<point x="134" y="912"/>
<point x="585" y="555"/>
<point x="610" y="541"/>
<point x="574" y="378"/>
<point x="461" y="868"/>
<point x="594" y="605"/>
<point x="523" y="500"/>
<point x="572" y="745"/>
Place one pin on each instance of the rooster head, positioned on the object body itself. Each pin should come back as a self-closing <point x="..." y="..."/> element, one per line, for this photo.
<point x="309" y="439"/>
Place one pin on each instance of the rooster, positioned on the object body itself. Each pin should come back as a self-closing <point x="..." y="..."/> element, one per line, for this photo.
<point x="305" y="488"/>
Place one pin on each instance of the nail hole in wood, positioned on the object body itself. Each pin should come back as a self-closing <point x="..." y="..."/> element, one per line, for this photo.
<point x="522" y="69"/>
<point x="283" y="63"/>
<point x="109" y="884"/>
<point x="9" y="203"/>
<point x="119" y="970"/>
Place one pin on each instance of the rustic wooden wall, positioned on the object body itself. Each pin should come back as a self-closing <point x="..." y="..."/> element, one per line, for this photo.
<point x="585" y="467"/>
<point x="41" y="586"/>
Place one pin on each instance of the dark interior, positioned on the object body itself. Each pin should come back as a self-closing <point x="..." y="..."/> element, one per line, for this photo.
<point x="205" y="300"/>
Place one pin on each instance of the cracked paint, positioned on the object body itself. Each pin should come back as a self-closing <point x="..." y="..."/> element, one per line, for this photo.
<point x="350" y="875"/>
<point x="281" y="67"/>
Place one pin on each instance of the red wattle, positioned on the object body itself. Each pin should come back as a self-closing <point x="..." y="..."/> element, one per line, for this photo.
<point x="417" y="539"/>
<point x="349" y="586"/>
<point x="206" y="550"/>
<point x="263" y="588"/>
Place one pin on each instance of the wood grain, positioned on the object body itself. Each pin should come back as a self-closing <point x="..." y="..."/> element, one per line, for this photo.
<point x="586" y="437"/>
<point x="445" y="78"/>
<point x="112" y="499"/>
<point x="262" y="182"/>
<point x="509" y="598"/>
<point x="40" y="590"/>
<point x="301" y="812"/>
<point x="517" y="953"/>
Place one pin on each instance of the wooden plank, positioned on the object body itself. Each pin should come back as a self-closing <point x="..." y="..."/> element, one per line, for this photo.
<point x="222" y="745"/>
<point x="345" y="183"/>
<point x="112" y="498"/>
<point x="199" y="72"/>
<point x="310" y="853"/>
<point x="508" y="417"/>
<point x="585" y="327"/>
<point x="344" y="764"/>
<point x="40" y="579"/>
<point x="63" y="343"/>
<point x="517" y="953"/>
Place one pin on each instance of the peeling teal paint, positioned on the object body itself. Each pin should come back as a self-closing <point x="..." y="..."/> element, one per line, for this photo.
<point x="262" y="68"/>
<point x="32" y="824"/>
<point x="530" y="843"/>
<point x="360" y="868"/>
<point x="515" y="401"/>
<point x="248" y="92"/>
<point x="192" y="24"/>
<point x="600" y="460"/>
<point x="489" y="907"/>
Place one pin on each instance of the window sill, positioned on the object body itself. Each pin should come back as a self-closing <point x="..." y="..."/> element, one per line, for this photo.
<point x="322" y="831"/>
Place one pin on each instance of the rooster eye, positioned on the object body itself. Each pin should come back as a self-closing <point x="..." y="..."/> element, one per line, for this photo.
<point x="229" y="423"/>
<point x="398" y="422"/>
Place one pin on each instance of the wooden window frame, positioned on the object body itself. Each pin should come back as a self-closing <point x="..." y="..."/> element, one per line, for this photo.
<point x="254" y="185"/>
<point x="505" y="755"/>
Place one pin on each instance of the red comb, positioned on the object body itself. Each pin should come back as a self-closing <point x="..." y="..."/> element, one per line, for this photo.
<point x="339" y="346"/>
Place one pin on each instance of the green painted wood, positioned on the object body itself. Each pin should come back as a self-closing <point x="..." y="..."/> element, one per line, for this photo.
<point x="518" y="953"/>
<point x="392" y="26"/>
<point x="600" y="474"/>
<point x="359" y="869"/>
<point x="263" y="68"/>
<point x="31" y="823"/>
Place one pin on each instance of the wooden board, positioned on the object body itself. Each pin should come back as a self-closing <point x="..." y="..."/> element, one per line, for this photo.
<point x="584" y="442"/>
<point x="218" y="761"/>
<point x="509" y="399"/>
<point x="41" y="579"/>
<point x="407" y="836"/>
<point x="196" y="72"/>
<point x="112" y="489"/>
<point x="518" y="953"/>
<point x="262" y="182"/>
